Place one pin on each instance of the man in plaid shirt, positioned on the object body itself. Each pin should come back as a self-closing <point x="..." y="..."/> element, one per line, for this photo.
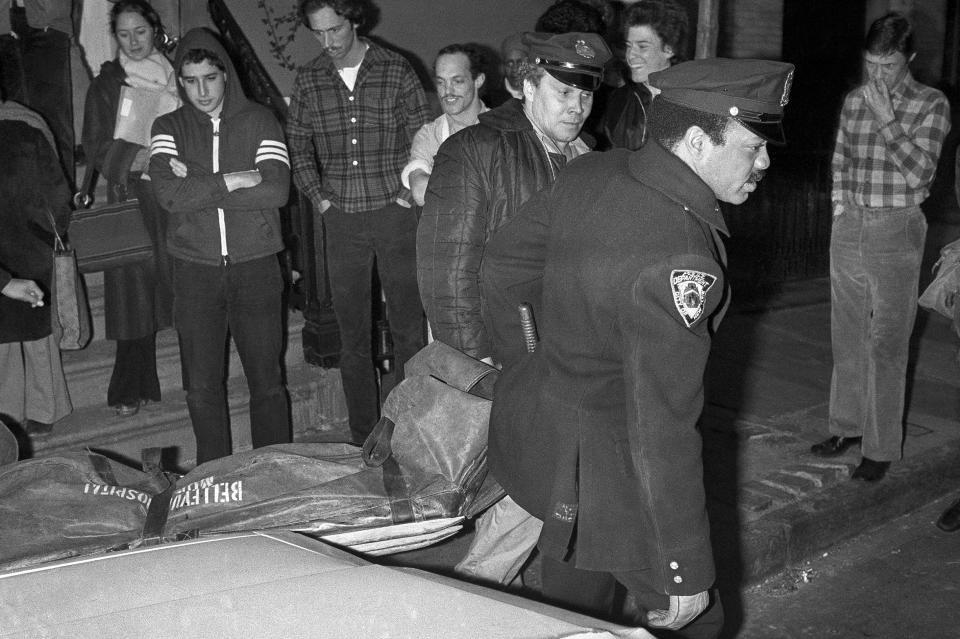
<point x="891" y="132"/>
<point x="353" y="115"/>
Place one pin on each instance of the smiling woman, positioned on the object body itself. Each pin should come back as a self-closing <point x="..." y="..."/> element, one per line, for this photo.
<point x="137" y="297"/>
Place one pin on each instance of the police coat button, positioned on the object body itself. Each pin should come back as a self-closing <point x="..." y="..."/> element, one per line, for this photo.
<point x="674" y="565"/>
<point x="677" y="579"/>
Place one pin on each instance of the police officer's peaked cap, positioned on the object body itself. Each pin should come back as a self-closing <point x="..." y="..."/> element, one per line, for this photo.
<point x="753" y="92"/>
<point x="573" y="58"/>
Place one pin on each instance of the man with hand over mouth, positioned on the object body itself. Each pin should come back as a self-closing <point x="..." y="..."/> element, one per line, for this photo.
<point x="892" y="129"/>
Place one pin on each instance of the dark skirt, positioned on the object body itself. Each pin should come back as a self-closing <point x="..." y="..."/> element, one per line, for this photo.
<point x="138" y="298"/>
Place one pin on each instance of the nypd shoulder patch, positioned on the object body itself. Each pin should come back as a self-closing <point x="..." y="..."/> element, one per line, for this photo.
<point x="690" y="293"/>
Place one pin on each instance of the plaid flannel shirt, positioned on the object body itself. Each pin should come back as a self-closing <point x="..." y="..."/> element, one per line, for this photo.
<point x="892" y="165"/>
<point x="349" y="147"/>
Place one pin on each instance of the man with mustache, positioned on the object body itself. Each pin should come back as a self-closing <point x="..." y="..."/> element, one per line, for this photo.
<point x="458" y="76"/>
<point x="353" y="114"/>
<point x="595" y="432"/>
<point x="892" y="129"/>
<point x="481" y="177"/>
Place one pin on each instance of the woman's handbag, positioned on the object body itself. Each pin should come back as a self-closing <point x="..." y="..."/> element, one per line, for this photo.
<point x="943" y="293"/>
<point x="69" y="310"/>
<point x="110" y="235"/>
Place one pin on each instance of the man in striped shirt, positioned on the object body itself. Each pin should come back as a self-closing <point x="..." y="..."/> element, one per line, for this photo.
<point x="892" y="130"/>
<point x="219" y="167"/>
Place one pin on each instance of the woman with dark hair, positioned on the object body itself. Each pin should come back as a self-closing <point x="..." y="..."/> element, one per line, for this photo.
<point x="655" y="36"/>
<point x="137" y="297"/>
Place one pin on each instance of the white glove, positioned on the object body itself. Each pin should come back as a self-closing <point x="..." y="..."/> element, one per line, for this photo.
<point x="683" y="610"/>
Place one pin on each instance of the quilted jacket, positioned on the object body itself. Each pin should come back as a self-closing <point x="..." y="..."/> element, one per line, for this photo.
<point x="481" y="176"/>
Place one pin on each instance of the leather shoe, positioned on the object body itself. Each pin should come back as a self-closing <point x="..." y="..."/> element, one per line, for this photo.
<point x="950" y="519"/>
<point x="870" y="470"/>
<point x="834" y="446"/>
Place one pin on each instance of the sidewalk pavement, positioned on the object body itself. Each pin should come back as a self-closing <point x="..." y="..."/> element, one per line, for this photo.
<point x="771" y="502"/>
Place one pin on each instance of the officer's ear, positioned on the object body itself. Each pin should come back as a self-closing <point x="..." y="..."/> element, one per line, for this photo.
<point x="529" y="89"/>
<point x="479" y="80"/>
<point x="696" y="141"/>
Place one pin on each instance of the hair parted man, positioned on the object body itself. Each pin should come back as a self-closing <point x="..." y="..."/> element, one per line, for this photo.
<point x="595" y="432"/>
<point x="481" y="177"/>
<point x="219" y="166"/>
<point x="458" y="76"/>
<point x="655" y="36"/>
<point x="354" y="112"/>
<point x="892" y="129"/>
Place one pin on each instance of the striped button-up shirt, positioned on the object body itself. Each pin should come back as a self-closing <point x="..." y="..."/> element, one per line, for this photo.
<point x="891" y="165"/>
<point x="349" y="147"/>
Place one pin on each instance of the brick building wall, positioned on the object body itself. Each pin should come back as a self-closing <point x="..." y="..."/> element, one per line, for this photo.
<point x="751" y="29"/>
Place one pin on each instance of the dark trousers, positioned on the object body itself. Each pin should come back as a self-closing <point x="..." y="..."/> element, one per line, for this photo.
<point x="134" y="377"/>
<point x="592" y="592"/>
<point x="212" y="303"/>
<point x="35" y="71"/>
<point x="353" y="242"/>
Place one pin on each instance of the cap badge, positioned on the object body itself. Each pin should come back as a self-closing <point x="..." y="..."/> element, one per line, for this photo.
<point x="690" y="293"/>
<point x="584" y="50"/>
<point x="734" y="111"/>
<point x="786" y="89"/>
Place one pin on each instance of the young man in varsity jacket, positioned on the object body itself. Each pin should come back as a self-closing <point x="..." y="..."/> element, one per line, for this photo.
<point x="219" y="165"/>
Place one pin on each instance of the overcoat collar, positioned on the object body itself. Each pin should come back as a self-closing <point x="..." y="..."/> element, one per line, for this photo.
<point x="663" y="171"/>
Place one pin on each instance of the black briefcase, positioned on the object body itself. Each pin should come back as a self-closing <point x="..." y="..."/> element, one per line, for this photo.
<point x="109" y="236"/>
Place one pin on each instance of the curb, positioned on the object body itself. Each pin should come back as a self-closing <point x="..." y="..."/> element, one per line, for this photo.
<point x="838" y="512"/>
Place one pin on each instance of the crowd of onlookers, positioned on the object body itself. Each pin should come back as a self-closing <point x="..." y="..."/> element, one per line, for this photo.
<point x="138" y="297"/>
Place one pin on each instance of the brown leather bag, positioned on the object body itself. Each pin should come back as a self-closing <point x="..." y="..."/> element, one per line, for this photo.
<point x="106" y="236"/>
<point x="109" y="236"/>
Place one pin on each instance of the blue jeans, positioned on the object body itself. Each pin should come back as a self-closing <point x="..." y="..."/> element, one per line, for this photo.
<point x="874" y="273"/>
<point x="243" y="301"/>
<point x="354" y="241"/>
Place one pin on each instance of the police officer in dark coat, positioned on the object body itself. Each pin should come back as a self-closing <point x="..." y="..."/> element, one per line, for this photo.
<point x="596" y="433"/>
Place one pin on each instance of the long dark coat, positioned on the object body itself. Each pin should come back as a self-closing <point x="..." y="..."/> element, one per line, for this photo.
<point x="138" y="298"/>
<point x="31" y="180"/>
<point x="596" y="432"/>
